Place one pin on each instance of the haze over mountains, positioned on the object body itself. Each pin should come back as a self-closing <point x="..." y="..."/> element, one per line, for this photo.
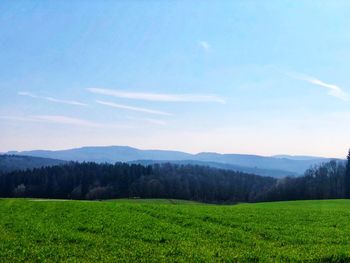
<point x="276" y="166"/>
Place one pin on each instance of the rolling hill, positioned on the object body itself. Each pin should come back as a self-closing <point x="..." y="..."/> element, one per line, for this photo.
<point x="9" y="163"/>
<point x="276" y="166"/>
<point x="232" y="167"/>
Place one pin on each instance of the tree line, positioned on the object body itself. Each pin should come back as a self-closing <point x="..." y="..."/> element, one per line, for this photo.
<point x="191" y="182"/>
<point x="121" y="180"/>
<point x="329" y="180"/>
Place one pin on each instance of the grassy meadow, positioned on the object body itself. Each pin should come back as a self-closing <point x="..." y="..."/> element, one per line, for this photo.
<point x="173" y="231"/>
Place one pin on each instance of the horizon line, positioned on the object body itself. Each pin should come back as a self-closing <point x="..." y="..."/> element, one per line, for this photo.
<point x="174" y="150"/>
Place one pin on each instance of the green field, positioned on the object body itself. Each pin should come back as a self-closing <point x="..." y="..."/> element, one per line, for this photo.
<point x="169" y="231"/>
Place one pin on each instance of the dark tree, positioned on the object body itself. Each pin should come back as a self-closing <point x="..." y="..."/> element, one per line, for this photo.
<point x="347" y="177"/>
<point x="192" y="182"/>
<point x="104" y="181"/>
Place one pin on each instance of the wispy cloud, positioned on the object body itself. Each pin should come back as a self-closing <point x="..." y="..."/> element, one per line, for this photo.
<point x="28" y="94"/>
<point x="16" y="118"/>
<point x="131" y="108"/>
<point x="204" y="45"/>
<point x="69" y="102"/>
<point x="158" y="96"/>
<point x="333" y="90"/>
<point x="148" y="120"/>
<point x="64" y="120"/>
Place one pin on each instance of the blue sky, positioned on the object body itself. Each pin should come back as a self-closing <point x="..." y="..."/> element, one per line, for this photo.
<point x="262" y="77"/>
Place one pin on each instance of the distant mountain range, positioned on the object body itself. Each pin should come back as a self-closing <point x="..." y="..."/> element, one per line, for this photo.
<point x="298" y="157"/>
<point x="277" y="166"/>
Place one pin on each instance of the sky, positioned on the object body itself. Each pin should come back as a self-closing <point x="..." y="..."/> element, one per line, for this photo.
<point x="252" y="77"/>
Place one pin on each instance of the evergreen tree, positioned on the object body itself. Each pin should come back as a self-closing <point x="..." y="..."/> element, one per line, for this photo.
<point x="347" y="177"/>
<point x="106" y="181"/>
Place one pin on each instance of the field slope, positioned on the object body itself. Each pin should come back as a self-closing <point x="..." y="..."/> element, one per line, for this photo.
<point x="169" y="231"/>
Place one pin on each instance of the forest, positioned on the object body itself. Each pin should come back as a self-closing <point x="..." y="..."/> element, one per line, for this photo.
<point x="190" y="182"/>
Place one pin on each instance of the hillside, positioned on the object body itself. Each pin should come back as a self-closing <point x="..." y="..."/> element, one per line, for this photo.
<point x="225" y="166"/>
<point x="111" y="154"/>
<point x="94" y="181"/>
<point x="122" y="180"/>
<point x="9" y="163"/>
<point x="173" y="231"/>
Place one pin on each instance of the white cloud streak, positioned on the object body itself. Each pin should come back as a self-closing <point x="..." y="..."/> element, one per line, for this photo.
<point x="333" y="90"/>
<point x="68" y="102"/>
<point x="204" y="45"/>
<point x="148" y="120"/>
<point x="131" y="108"/>
<point x="64" y="120"/>
<point x="158" y="96"/>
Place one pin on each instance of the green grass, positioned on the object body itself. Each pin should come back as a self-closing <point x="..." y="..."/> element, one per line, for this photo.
<point x="173" y="231"/>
